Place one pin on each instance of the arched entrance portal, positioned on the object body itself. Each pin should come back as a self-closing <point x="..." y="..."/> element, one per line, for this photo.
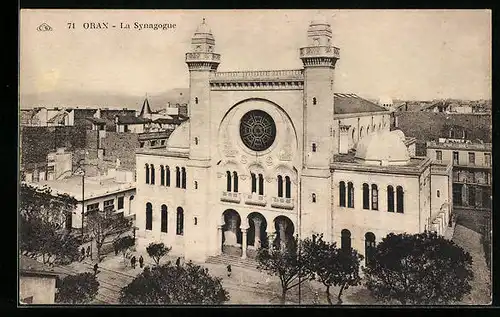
<point x="284" y="232"/>
<point x="256" y="234"/>
<point x="231" y="233"/>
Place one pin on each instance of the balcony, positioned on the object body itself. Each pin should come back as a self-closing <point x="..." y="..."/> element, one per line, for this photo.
<point x="282" y="203"/>
<point x="254" y="199"/>
<point x="320" y="51"/>
<point x="202" y="56"/>
<point x="231" y="197"/>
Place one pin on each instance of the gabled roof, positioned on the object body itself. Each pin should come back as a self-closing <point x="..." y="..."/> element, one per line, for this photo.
<point x="351" y="103"/>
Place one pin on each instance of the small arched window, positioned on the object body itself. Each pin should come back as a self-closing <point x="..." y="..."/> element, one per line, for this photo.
<point x="342" y="194"/>
<point x="177" y="177"/>
<point x="399" y="199"/>
<point x="288" y="187"/>
<point x="438" y="193"/>
<point x="314" y="147"/>
<point x="390" y="198"/>
<point x="195" y="221"/>
<point x="366" y="196"/>
<point x="228" y="181"/>
<point x="180" y="221"/>
<point x="314" y="100"/>
<point x="345" y="240"/>
<point x="235" y="182"/>
<point x="167" y="175"/>
<point x="149" y="216"/>
<point x="254" y="183"/>
<point x="350" y="195"/>
<point x="196" y="100"/>
<point x="280" y="186"/>
<point x="361" y="133"/>
<point x="164" y="218"/>
<point x="147" y="173"/>
<point x="195" y="185"/>
<point x="162" y="175"/>
<point x="313" y="197"/>
<point x="196" y="140"/>
<point x="261" y="184"/>
<point x="183" y="173"/>
<point x="152" y="174"/>
<point x="374" y="197"/>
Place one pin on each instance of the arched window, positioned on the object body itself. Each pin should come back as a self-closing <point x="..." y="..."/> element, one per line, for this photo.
<point x="180" y="221"/>
<point x="162" y="175"/>
<point x="313" y="197"/>
<point x="261" y="184"/>
<point x="183" y="172"/>
<point x="167" y="174"/>
<point x="399" y="199"/>
<point x="438" y="193"/>
<point x="390" y="198"/>
<point x="196" y="100"/>
<point x="152" y="174"/>
<point x="280" y="186"/>
<point x="374" y="197"/>
<point x="314" y="147"/>
<point x="235" y="182"/>
<point x="288" y="187"/>
<point x="353" y="134"/>
<point x="149" y="216"/>
<point x="228" y="181"/>
<point x="196" y="140"/>
<point x="195" y="221"/>
<point x="195" y="185"/>
<point x="147" y="173"/>
<point x="369" y="248"/>
<point x="366" y="196"/>
<point x="177" y="177"/>
<point x="361" y="133"/>
<point x="164" y="218"/>
<point x="314" y="100"/>
<point x="345" y="240"/>
<point x="367" y="130"/>
<point x="254" y="183"/>
<point x="350" y="195"/>
<point x="342" y="194"/>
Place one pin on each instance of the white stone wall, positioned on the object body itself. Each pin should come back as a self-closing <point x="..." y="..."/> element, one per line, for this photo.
<point x="42" y="288"/>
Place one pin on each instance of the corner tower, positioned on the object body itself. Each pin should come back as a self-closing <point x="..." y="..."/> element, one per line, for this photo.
<point x="319" y="58"/>
<point x="201" y="61"/>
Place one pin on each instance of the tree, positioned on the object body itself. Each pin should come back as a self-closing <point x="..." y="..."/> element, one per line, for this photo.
<point x="123" y="245"/>
<point x="169" y="284"/>
<point x="103" y="224"/>
<point x="287" y="263"/>
<point x="421" y="268"/>
<point x="332" y="266"/>
<point x="77" y="289"/>
<point x="157" y="250"/>
<point x="42" y="234"/>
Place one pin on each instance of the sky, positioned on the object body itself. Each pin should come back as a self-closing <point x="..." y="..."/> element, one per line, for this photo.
<point x="402" y="54"/>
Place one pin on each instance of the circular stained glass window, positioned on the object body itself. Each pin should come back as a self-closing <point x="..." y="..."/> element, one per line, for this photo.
<point x="257" y="130"/>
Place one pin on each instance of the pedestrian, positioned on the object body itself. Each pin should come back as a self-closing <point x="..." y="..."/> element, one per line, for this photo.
<point x="96" y="268"/>
<point x="132" y="261"/>
<point x="88" y="250"/>
<point x="229" y="270"/>
<point x="178" y="262"/>
<point x="82" y="252"/>
<point x="116" y="248"/>
<point x="141" y="261"/>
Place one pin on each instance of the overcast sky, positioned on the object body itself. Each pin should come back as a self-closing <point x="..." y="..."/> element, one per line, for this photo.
<point x="401" y="54"/>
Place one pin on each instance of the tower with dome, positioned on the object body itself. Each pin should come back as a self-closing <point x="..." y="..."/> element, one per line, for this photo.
<point x="267" y="155"/>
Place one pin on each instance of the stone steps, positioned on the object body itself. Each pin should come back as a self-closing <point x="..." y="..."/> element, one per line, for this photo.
<point x="225" y="259"/>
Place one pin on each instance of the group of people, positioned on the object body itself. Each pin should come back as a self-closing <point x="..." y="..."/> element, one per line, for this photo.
<point x="85" y="254"/>
<point x="133" y="262"/>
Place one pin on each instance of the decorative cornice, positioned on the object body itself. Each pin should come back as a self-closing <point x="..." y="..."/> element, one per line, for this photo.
<point x="258" y="80"/>
<point x="257" y="85"/>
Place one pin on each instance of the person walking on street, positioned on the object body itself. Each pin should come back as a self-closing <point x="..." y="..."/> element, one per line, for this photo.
<point x="229" y="270"/>
<point x="96" y="268"/>
<point x="82" y="252"/>
<point x="88" y="250"/>
<point x="132" y="261"/>
<point x="178" y="262"/>
<point x="141" y="261"/>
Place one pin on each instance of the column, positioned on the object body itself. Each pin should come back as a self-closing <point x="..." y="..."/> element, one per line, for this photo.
<point x="270" y="235"/>
<point x="219" y="239"/>
<point x="244" y="243"/>
<point x="257" y="223"/>
<point x="282" y="229"/>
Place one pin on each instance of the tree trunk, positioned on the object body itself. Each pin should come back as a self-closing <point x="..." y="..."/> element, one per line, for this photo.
<point x="339" y="299"/>
<point x="283" y="296"/>
<point x="328" y="297"/>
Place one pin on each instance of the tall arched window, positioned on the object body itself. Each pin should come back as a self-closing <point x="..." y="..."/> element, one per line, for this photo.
<point x="345" y="240"/>
<point x="350" y="195"/>
<point x="164" y="218"/>
<point x="235" y="181"/>
<point x="361" y="132"/>
<point x="183" y="172"/>
<point x="342" y="194"/>
<point x="288" y="187"/>
<point x="254" y="183"/>
<point x="149" y="216"/>
<point x="177" y="177"/>
<point x="152" y="174"/>
<point x="280" y="186"/>
<point x="180" y="221"/>
<point x="228" y="181"/>
<point x="374" y="197"/>
<point x="162" y="175"/>
<point x="366" y="196"/>
<point x="147" y="173"/>
<point x="390" y="198"/>
<point x="261" y="184"/>
<point x="399" y="199"/>
<point x="313" y="197"/>
<point x="369" y="248"/>
<point x="167" y="175"/>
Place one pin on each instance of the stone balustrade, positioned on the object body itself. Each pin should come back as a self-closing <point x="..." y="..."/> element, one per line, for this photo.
<point x="230" y="197"/>
<point x="282" y="203"/>
<point x="316" y="51"/>
<point x="254" y="199"/>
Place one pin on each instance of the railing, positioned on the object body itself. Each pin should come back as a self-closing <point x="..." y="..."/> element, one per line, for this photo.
<point x="254" y="199"/>
<point x="253" y="75"/>
<point x="327" y="51"/>
<point x="230" y="197"/>
<point x="202" y="56"/>
<point x="464" y="146"/>
<point x="283" y="203"/>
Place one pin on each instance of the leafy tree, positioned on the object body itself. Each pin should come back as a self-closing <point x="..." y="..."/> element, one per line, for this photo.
<point x="332" y="266"/>
<point x="287" y="263"/>
<point x="123" y="245"/>
<point x="77" y="289"/>
<point x="103" y="224"/>
<point x="169" y="284"/>
<point x="157" y="250"/>
<point x="421" y="268"/>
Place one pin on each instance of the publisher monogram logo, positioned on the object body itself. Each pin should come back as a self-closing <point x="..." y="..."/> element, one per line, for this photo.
<point x="44" y="27"/>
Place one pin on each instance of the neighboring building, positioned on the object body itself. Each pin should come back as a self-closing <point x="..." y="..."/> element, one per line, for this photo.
<point x="132" y="124"/>
<point x="275" y="153"/>
<point x="37" y="282"/>
<point x="114" y="191"/>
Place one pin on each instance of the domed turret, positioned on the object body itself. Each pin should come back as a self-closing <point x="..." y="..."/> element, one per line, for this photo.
<point x="202" y="49"/>
<point x="203" y="32"/>
<point x="385" y="148"/>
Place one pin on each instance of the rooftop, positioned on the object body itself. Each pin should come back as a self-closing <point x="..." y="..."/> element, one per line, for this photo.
<point x="351" y="103"/>
<point x="459" y="146"/>
<point x="415" y="165"/>
<point x="132" y="120"/>
<point x="28" y="265"/>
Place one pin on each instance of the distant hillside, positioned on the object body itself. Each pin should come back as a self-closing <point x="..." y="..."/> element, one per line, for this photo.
<point x="102" y="100"/>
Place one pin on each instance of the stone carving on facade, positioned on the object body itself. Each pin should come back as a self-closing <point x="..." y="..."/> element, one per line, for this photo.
<point x="269" y="161"/>
<point x="243" y="159"/>
<point x="219" y="175"/>
<point x="243" y="177"/>
<point x="286" y="152"/>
